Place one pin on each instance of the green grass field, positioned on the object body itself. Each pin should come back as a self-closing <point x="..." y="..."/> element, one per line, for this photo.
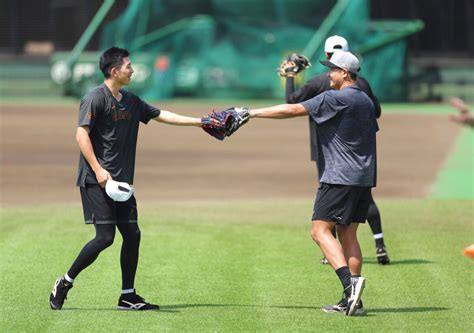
<point x="239" y="266"/>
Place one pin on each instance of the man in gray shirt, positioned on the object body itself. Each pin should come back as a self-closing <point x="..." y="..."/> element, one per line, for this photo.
<point x="346" y="127"/>
<point x="315" y="86"/>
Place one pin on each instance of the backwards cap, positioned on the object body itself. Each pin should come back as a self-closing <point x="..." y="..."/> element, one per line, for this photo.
<point x="336" y="43"/>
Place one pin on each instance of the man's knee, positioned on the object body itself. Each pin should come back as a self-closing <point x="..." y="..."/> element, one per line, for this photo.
<point x="315" y="235"/>
<point x="136" y="235"/>
<point x="131" y="234"/>
<point x="318" y="229"/>
<point x="104" y="241"/>
<point x="104" y="236"/>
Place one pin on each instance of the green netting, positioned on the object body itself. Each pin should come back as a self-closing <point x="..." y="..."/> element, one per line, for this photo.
<point x="231" y="48"/>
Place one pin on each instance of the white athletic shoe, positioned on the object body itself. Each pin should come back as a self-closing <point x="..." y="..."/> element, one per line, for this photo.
<point x="357" y="287"/>
<point x="341" y="307"/>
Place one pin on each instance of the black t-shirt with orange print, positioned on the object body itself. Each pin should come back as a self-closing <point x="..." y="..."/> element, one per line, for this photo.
<point x="113" y="132"/>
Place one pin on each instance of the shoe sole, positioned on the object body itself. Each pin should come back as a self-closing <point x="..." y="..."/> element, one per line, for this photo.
<point x="332" y="311"/>
<point x="357" y="312"/>
<point x="328" y="309"/>
<point x="352" y="308"/>
<point x="122" y="308"/>
<point x="125" y="309"/>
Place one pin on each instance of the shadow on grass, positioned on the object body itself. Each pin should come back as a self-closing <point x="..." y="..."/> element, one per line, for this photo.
<point x="162" y="309"/>
<point x="372" y="260"/>
<point x="368" y="312"/>
<point x="175" y="308"/>
<point x="183" y="306"/>
<point x="411" y="309"/>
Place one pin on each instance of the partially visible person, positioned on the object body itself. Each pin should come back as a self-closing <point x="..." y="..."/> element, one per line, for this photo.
<point x="469" y="251"/>
<point x="465" y="117"/>
<point x="315" y="86"/>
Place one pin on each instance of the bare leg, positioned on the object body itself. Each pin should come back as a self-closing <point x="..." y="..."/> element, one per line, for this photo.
<point x="351" y="248"/>
<point x="321" y="232"/>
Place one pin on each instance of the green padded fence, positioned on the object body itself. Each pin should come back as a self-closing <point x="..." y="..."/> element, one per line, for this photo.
<point x="231" y="48"/>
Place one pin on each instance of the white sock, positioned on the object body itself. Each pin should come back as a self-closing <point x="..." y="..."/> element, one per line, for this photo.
<point x="378" y="236"/>
<point x="68" y="279"/>
<point x="128" y="291"/>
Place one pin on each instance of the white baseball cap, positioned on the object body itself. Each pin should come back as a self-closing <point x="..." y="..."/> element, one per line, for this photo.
<point x="118" y="191"/>
<point x="344" y="60"/>
<point x="336" y="43"/>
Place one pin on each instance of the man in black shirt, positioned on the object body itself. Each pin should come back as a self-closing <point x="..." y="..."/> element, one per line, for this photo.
<point x="109" y="118"/>
<point x="316" y="86"/>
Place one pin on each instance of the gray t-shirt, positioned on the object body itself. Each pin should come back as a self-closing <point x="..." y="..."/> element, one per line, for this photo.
<point x="314" y="87"/>
<point x="113" y="132"/>
<point x="345" y="126"/>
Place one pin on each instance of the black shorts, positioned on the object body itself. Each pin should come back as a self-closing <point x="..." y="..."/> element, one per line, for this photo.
<point x="99" y="208"/>
<point x="342" y="204"/>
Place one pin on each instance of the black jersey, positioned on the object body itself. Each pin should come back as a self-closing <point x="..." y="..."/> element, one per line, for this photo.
<point x="113" y="132"/>
<point x="314" y="87"/>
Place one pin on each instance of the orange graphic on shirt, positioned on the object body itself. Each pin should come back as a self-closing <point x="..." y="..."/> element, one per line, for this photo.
<point x="121" y="115"/>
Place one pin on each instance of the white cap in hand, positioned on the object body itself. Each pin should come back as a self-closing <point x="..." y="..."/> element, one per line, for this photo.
<point x="118" y="191"/>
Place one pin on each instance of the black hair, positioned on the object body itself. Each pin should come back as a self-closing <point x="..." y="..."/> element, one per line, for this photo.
<point x="353" y="76"/>
<point x="111" y="58"/>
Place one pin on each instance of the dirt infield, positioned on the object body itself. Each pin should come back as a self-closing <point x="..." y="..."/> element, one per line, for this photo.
<point x="267" y="159"/>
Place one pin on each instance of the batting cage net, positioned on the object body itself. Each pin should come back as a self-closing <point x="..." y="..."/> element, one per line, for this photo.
<point x="231" y="48"/>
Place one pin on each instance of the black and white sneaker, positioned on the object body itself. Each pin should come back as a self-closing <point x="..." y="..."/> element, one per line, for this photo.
<point x="59" y="293"/>
<point x="357" y="287"/>
<point x="382" y="256"/>
<point x="341" y="307"/>
<point x="359" y="308"/>
<point x="135" y="302"/>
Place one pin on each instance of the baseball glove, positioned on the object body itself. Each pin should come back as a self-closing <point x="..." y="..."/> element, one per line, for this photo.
<point x="213" y="126"/>
<point x="224" y="123"/>
<point x="235" y="118"/>
<point x="293" y="64"/>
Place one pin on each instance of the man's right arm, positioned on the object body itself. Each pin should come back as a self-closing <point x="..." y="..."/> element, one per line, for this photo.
<point x="85" y="144"/>
<point x="281" y="111"/>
